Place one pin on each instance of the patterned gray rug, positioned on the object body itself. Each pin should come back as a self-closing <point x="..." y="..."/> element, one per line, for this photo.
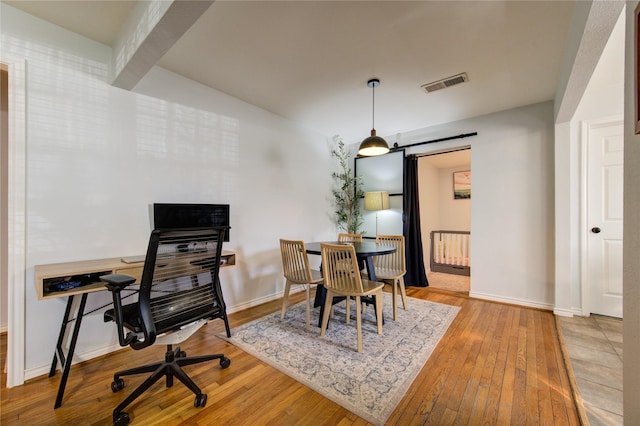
<point x="369" y="384"/>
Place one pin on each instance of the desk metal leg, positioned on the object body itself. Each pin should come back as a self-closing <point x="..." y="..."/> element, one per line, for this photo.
<point x="65" y="361"/>
<point x="63" y="330"/>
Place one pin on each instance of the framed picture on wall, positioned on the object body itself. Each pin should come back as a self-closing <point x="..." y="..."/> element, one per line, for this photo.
<point x="462" y="185"/>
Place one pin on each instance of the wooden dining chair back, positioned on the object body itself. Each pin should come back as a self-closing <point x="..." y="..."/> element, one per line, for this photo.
<point x="347" y="282"/>
<point x="297" y="271"/>
<point x="391" y="268"/>
<point x="349" y="238"/>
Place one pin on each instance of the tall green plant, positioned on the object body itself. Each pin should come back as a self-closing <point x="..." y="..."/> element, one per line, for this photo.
<point x="347" y="192"/>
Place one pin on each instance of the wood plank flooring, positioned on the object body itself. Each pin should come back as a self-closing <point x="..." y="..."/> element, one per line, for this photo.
<point x="496" y="365"/>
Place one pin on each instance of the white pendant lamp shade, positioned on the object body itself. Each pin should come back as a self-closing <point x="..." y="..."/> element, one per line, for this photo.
<point x="373" y="145"/>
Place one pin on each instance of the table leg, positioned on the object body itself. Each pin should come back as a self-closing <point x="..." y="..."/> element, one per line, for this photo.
<point x="371" y="271"/>
<point x="321" y="296"/>
<point x="65" y="361"/>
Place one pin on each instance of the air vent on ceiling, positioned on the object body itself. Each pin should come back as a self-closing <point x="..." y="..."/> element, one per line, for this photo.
<point x="445" y="82"/>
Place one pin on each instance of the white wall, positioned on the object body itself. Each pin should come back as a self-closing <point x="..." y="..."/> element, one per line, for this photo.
<point x="631" y="273"/>
<point x="97" y="156"/>
<point x="512" y="202"/>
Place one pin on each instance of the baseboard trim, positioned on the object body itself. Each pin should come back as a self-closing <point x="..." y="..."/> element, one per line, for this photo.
<point x="569" y="313"/>
<point x="511" y="300"/>
<point x="77" y="358"/>
<point x="261" y="300"/>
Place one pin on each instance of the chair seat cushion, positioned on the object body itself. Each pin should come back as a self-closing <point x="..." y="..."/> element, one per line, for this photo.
<point x="316" y="276"/>
<point x="388" y="273"/>
<point x="368" y="286"/>
<point x="130" y="315"/>
<point x="371" y="286"/>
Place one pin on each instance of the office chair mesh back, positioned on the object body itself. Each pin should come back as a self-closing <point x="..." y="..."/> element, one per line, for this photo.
<point x="183" y="286"/>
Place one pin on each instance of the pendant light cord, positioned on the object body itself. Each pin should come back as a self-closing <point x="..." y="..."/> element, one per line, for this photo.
<point x="373" y="107"/>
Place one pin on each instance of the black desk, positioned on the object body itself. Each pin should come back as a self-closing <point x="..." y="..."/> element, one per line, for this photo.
<point x="365" y="251"/>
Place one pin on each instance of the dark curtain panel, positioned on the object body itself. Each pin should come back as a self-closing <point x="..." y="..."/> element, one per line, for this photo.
<point x="416" y="274"/>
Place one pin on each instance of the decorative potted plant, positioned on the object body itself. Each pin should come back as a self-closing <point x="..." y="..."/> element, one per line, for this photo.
<point x="347" y="192"/>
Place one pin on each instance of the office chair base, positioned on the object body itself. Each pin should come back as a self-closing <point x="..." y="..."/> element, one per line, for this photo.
<point x="169" y="368"/>
<point x="122" y="420"/>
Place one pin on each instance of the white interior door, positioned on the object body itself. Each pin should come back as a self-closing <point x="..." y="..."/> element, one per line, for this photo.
<point x="605" y="154"/>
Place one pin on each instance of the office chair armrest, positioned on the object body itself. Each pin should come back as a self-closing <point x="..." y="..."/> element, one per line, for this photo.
<point x="117" y="282"/>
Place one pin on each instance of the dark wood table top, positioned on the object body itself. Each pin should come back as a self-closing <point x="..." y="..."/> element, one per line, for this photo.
<point x="363" y="249"/>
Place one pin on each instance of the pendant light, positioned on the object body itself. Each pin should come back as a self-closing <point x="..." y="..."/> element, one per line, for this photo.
<point x="373" y="145"/>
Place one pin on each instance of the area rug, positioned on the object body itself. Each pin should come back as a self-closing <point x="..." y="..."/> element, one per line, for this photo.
<point x="369" y="384"/>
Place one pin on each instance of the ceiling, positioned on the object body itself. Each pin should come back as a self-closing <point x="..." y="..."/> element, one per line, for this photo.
<point x="450" y="159"/>
<point x="309" y="61"/>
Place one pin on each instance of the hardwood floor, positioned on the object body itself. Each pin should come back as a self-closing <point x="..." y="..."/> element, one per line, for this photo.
<point x="497" y="365"/>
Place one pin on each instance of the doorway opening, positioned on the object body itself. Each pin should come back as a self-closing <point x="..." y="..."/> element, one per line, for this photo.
<point x="445" y="205"/>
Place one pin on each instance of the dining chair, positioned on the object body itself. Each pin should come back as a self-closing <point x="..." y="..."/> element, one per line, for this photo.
<point x="391" y="268"/>
<point x="347" y="282"/>
<point x="297" y="271"/>
<point x="349" y="238"/>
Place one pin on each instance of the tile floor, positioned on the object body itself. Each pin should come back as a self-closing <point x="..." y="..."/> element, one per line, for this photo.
<point x="594" y="345"/>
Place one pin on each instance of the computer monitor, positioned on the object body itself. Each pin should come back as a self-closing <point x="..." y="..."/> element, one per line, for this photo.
<point x="176" y="215"/>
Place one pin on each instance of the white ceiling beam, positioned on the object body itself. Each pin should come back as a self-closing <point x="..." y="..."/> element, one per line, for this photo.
<point x="150" y="31"/>
<point x="592" y="25"/>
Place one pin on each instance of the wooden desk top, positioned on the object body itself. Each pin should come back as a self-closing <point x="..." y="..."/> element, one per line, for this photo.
<point x="99" y="266"/>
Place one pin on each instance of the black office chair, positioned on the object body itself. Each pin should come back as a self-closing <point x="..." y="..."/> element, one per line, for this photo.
<point x="179" y="293"/>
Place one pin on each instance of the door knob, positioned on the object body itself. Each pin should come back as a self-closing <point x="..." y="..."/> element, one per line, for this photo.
<point x="595" y="230"/>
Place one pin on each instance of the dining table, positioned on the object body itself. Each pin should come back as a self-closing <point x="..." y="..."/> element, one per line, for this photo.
<point x="365" y="252"/>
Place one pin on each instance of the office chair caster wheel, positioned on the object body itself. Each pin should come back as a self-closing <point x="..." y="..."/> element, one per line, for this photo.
<point x="182" y="354"/>
<point x="117" y="385"/>
<point x="121" y="420"/>
<point x="225" y="362"/>
<point x="200" y="400"/>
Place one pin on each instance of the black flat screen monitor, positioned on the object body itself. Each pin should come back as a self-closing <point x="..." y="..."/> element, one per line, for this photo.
<point x="174" y="216"/>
